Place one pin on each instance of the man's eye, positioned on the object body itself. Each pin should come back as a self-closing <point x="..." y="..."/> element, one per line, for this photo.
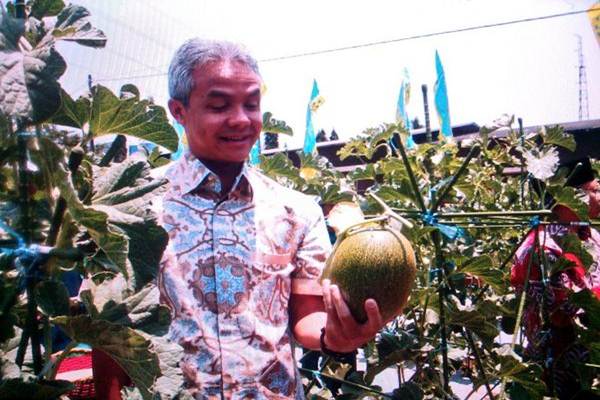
<point x="217" y="107"/>
<point x="252" y="106"/>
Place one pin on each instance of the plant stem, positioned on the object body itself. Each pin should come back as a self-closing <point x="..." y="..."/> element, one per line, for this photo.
<point x="356" y="385"/>
<point x="75" y="158"/>
<point x="474" y="150"/>
<point x="314" y="374"/>
<point x="115" y="146"/>
<point x="478" y="362"/>
<point x="411" y="176"/>
<point x="51" y="369"/>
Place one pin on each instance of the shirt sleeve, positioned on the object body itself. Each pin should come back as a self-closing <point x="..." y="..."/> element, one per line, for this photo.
<point x="311" y="255"/>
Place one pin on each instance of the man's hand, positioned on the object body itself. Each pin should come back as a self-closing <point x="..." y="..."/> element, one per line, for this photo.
<point x="343" y="333"/>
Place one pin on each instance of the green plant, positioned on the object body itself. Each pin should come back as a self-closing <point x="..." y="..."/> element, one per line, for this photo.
<point x="65" y="207"/>
<point x="469" y="216"/>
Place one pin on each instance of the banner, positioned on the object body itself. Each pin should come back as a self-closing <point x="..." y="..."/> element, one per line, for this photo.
<point x="310" y="138"/>
<point x="441" y="99"/>
<point x="401" y="114"/>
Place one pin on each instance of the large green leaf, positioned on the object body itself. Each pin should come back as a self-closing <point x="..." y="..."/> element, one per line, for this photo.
<point x="555" y="135"/>
<point x="278" y="165"/>
<point x="52" y="297"/>
<point x="133" y="352"/>
<point x="567" y="197"/>
<point x="483" y="268"/>
<point x="475" y="321"/>
<point x="524" y="377"/>
<point x="28" y="80"/>
<point x="141" y="310"/>
<point x="74" y="113"/>
<point x="129" y="116"/>
<point x="45" y="8"/>
<point x="590" y="303"/>
<point x="124" y="192"/>
<point x="273" y="125"/>
<point x="107" y="237"/>
<point x="72" y="25"/>
<point x="17" y="388"/>
<point x="118" y="176"/>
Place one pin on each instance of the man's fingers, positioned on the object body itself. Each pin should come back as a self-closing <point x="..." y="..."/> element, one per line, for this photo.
<point x="375" y="320"/>
<point x="327" y="294"/>
<point x="343" y="312"/>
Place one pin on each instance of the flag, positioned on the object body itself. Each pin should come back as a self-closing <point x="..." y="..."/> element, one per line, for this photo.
<point x="401" y="114"/>
<point x="255" y="153"/>
<point x="441" y="99"/>
<point x="594" y="15"/>
<point x="182" y="140"/>
<point x="310" y="139"/>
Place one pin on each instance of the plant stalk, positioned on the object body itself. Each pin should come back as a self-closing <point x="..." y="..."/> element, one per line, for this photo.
<point x="474" y="150"/>
<point x="411" y="176"/>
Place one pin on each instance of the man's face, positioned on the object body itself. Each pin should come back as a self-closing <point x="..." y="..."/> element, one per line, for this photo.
<point x="222" y="119"/>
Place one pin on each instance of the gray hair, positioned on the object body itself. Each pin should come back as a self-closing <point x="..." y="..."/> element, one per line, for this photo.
<point x="197" y="52"/>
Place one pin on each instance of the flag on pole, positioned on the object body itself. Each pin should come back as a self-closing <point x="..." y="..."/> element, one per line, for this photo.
<point x="310" y="139"/>
<point x="401" y="114"/>
<point x="594" y="15"/>
<point x="255" y="153"/>
<point x="182" y="141"/>
<point x="441" y="99"/>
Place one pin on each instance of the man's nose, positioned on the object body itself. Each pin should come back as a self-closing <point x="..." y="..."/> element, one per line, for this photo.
<point x="239" y="117"/>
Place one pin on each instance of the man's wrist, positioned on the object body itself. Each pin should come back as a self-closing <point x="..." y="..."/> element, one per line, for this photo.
<point x="340" y="356"/>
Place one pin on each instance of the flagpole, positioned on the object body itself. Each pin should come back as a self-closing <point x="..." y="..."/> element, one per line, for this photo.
<point x="428" y="137"/>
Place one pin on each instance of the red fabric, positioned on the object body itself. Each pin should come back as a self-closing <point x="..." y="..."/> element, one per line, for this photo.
<point x="109" y="377"/>
<point x="76" y="363"/>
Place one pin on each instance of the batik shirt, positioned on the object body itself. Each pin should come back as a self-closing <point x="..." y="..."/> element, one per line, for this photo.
<point x="228" y="273"/>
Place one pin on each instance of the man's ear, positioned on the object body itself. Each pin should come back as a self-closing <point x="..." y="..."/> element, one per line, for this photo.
<point x="177" y="110"/>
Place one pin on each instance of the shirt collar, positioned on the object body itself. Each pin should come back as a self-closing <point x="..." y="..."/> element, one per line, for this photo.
<point x="188" y="174"/>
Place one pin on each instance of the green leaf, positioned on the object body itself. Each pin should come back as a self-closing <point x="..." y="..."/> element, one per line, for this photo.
<point x="586" y="300"/>
<point x="118" y="176"/>
<point x="475" y="321"/>
<point x="132" y="117"/>
<point x="273" y="125"/>
<point x="483" y="268"/>
<point x="17" y="388"/>
<point x="525" y="377"/>
<point x="72" y="113"/>
<point x="125" y="346"/>
<point x="52" y="297"/>
<point x="28" y="80"/>
<point x="107" y="237"/>
<point x="124" y="192"/>
<point x="141" y="310"/>
<point x="129" y="193"/>
<point x="278" y="165"/>
<point x="156" y="159"/>
<point x="72" y="25"/>
<point x="555" y="135"/>
<point x="567" y="197"/>
<point x="45" y="8"/>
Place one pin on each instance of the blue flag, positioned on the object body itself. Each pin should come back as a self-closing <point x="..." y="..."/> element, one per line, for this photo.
<point x="255" y="153"/>
<point x="401" y="114"/>
<point x="310" y="139"/>
<point x="441" y="99"/>
<point x="181" y="145"/>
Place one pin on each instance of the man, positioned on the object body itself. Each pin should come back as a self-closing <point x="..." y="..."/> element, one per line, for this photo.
<point x="549" y="318"/>
<point x="240" y="272"/>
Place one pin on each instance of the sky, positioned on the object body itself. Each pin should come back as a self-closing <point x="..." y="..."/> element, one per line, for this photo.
<point x="528" y="69"/>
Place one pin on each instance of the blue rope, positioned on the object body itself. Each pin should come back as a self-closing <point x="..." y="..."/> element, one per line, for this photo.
<point x="450" y="232"/>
